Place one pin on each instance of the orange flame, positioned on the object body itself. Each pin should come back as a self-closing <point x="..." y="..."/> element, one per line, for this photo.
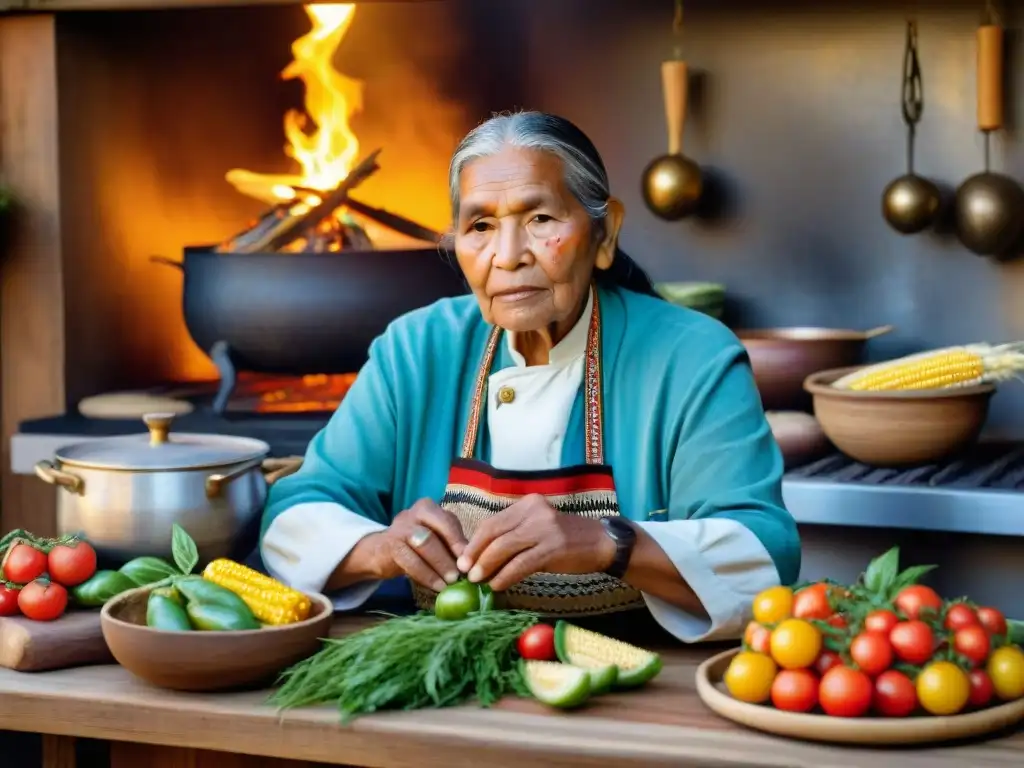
<point x="330" y="150"/>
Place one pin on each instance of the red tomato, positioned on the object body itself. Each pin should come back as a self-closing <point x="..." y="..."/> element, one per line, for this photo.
<point x="845" y="692"/>
<point x="70" y="565"/>
<point x="24" y="563"/>
<point x="912" y="601"/>
<point x="992" y="619"/>
<point x="812" y="603"/>
<point x="872" y="652"/>
<point x="895" y="694"/>
<point x="758" y="637"/>
<point x="837" y="620"/>
<point x="981" y="688"/>
<point x="538" y="643"/>
<point x="43" y="600"/>
<point x="912" y="641"/>
<point x="826" y="661"/>
<point x="881" y="621"/>
<point x="8" y="601"/>
<point x="795" y="690"/>
<point x="973" y="644"/>
<point x="959" y="616"/>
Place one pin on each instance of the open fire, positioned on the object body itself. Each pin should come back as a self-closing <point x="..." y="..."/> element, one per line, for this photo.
<point x="311" y="211"/>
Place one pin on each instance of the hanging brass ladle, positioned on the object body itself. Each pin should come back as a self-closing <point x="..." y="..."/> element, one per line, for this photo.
<point x="911" y="202"/>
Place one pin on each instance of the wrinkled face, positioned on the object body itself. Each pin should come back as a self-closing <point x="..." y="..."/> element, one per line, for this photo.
<point x="524" y="243"/>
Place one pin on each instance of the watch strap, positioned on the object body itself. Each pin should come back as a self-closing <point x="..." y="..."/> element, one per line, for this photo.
<point x="622" y="532"/>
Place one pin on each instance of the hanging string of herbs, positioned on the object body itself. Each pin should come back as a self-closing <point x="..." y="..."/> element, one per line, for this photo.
<point x="412" y="662"/>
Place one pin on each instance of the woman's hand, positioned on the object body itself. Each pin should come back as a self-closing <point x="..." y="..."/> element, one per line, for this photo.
<point x="422" y="543"/>
<point x="532" y="537"/>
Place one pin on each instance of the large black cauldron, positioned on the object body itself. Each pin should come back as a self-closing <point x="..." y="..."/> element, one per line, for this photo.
<point x="303" y="313"/>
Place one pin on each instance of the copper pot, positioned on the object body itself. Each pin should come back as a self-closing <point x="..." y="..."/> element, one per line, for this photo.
<point x="783" y="357"/>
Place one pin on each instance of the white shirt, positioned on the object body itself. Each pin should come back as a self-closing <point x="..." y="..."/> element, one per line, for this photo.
<point x="721" y="560"/>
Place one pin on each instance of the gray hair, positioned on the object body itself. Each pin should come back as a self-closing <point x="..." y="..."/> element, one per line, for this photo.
<point x="585" y="175"/>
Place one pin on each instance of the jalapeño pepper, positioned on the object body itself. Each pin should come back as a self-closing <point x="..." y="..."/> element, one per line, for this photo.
<point x="213" y="608"/>
<point x="100" y="587"/>
<point x="162" y="612"/>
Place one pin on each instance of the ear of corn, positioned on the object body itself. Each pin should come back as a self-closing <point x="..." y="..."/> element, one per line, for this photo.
<point x="270" y="601"/>
<point x="939" y="369"/>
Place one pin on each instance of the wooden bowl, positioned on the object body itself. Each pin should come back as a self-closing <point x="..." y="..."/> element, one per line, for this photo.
<point x="208" y="661"/>
<point x="898" y="429"/>
<point x="865" y="731"/>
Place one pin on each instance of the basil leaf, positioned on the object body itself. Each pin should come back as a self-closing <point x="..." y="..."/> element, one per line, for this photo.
<point x="882" y="571"/>
<point x="148" y="570"/>
<point x="911" y="575"/>
<point x="186" y="556"/>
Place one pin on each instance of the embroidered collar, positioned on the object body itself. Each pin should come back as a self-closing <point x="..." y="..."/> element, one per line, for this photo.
<point x="572" y="347"/>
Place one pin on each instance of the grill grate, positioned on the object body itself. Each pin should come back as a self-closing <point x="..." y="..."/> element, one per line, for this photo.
<point x="990" y="466"/>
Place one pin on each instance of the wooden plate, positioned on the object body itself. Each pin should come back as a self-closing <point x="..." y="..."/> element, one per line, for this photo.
<point x="861" y="730"/>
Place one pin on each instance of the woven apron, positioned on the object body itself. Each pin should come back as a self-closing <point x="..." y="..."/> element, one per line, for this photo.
<point x="476" y="491"/>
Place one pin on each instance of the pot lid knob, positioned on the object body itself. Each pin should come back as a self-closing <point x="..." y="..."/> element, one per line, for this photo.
<point x="159" y="426"/>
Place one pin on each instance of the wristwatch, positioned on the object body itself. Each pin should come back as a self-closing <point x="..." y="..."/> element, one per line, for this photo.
<point x="622" y="532"/>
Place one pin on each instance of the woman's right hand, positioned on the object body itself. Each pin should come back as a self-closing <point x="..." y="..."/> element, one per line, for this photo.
<point x="423" y="543"/>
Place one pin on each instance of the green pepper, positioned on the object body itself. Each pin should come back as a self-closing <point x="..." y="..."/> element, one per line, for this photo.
<point x="458" y="600"/>
<point x="100" y="587"/>
<point x="148" y="570"/>
<point x="196" y="589"/>
<point x="171" y="594"/>
<point x="163" y="613"/>
<point x="217" y="617"/>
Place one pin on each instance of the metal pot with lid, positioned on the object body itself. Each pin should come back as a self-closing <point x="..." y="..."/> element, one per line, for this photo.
<point x="125" y="493"/>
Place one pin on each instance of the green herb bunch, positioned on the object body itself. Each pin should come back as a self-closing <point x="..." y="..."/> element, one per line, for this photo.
<point x="412" y="662"/>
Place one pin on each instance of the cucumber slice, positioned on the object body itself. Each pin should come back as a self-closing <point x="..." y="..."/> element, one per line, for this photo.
<point x="554" y="684"/>
<point x="584" y="648"/>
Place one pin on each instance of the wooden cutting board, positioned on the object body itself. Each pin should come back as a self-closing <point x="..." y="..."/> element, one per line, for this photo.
<point x="73" y="640"/>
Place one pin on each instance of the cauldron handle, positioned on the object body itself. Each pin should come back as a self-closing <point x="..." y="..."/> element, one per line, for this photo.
<point x="167" y="262"/>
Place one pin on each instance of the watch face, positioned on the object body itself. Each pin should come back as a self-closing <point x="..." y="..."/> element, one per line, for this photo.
<point x="618" y="528"/>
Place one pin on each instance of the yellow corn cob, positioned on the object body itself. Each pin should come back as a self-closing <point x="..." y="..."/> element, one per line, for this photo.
<point x="939" y="369"/>
<point x="270" y="601"/>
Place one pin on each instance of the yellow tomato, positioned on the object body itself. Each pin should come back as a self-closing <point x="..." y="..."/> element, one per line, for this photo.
<point x="750" y="676"/>
<point x="943" y="688"/>
<point x="1006" y="668"/>
<point x="795" y="644"/>
<point x="773" y="605"/>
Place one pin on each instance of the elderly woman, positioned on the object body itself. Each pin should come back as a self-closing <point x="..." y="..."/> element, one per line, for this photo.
<point x="562" y="434"/>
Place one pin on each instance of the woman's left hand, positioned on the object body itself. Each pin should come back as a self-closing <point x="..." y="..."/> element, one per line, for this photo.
<point x="532" y="537"/>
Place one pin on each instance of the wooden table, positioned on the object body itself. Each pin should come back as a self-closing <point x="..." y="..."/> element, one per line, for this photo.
<point x="664" y="724"/>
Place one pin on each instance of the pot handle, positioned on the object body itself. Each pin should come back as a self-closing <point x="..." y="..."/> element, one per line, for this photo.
<point x="275" y="469"/>
<point x="215" y="484"/>
<point x="48" y="473"/>
<point x="167" y="262"/>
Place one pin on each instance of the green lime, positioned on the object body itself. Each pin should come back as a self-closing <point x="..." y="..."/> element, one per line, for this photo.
<point x="457" y="601"/>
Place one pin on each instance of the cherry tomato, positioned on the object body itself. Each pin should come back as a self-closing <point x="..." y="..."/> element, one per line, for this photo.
<point x="912" y="641"/>
<point x="757" y="637"/>
<point x="895" y="695"/>
<point x="881" y="621"/>
<point x="1006" y="668"/>
<point x="914" y="600"/>
<point x="795" y="644"/>
<point x="826" y="661"/>
<point x="72" y="564"/>
<point x="795" y="690"/>
<point x="992" y="619"/>
<point x="959" y="616"/>
<point x="845" y="692"/>
<point x="837" y="620"/>
<point x="982" y="689"/>
<point x="538" y="643"/>
<point x="812" y="603"/>
<point x="24" y="563"/>
<point x="973" y="644"/>
<point x="750" y="676"/>
<point x="43" y="600"/>
<point x="8" y="601"/>
<point x="943" y="688"/>
<point x="773" y="605"/>
<point x="872" y="652"/>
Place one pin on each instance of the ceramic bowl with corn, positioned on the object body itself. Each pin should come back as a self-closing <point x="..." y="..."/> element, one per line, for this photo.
<point x="920" y="409"/>
<point x="231" y="627"/>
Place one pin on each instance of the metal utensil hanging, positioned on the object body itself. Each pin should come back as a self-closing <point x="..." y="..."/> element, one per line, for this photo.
<point x="911" y="202"/>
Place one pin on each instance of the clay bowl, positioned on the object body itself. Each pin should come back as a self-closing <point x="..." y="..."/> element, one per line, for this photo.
<point x="898" y="429"/>
<point x="208" y="661"/>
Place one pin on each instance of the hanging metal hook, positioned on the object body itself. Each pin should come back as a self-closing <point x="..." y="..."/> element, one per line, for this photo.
<point x="677" y="30"/>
